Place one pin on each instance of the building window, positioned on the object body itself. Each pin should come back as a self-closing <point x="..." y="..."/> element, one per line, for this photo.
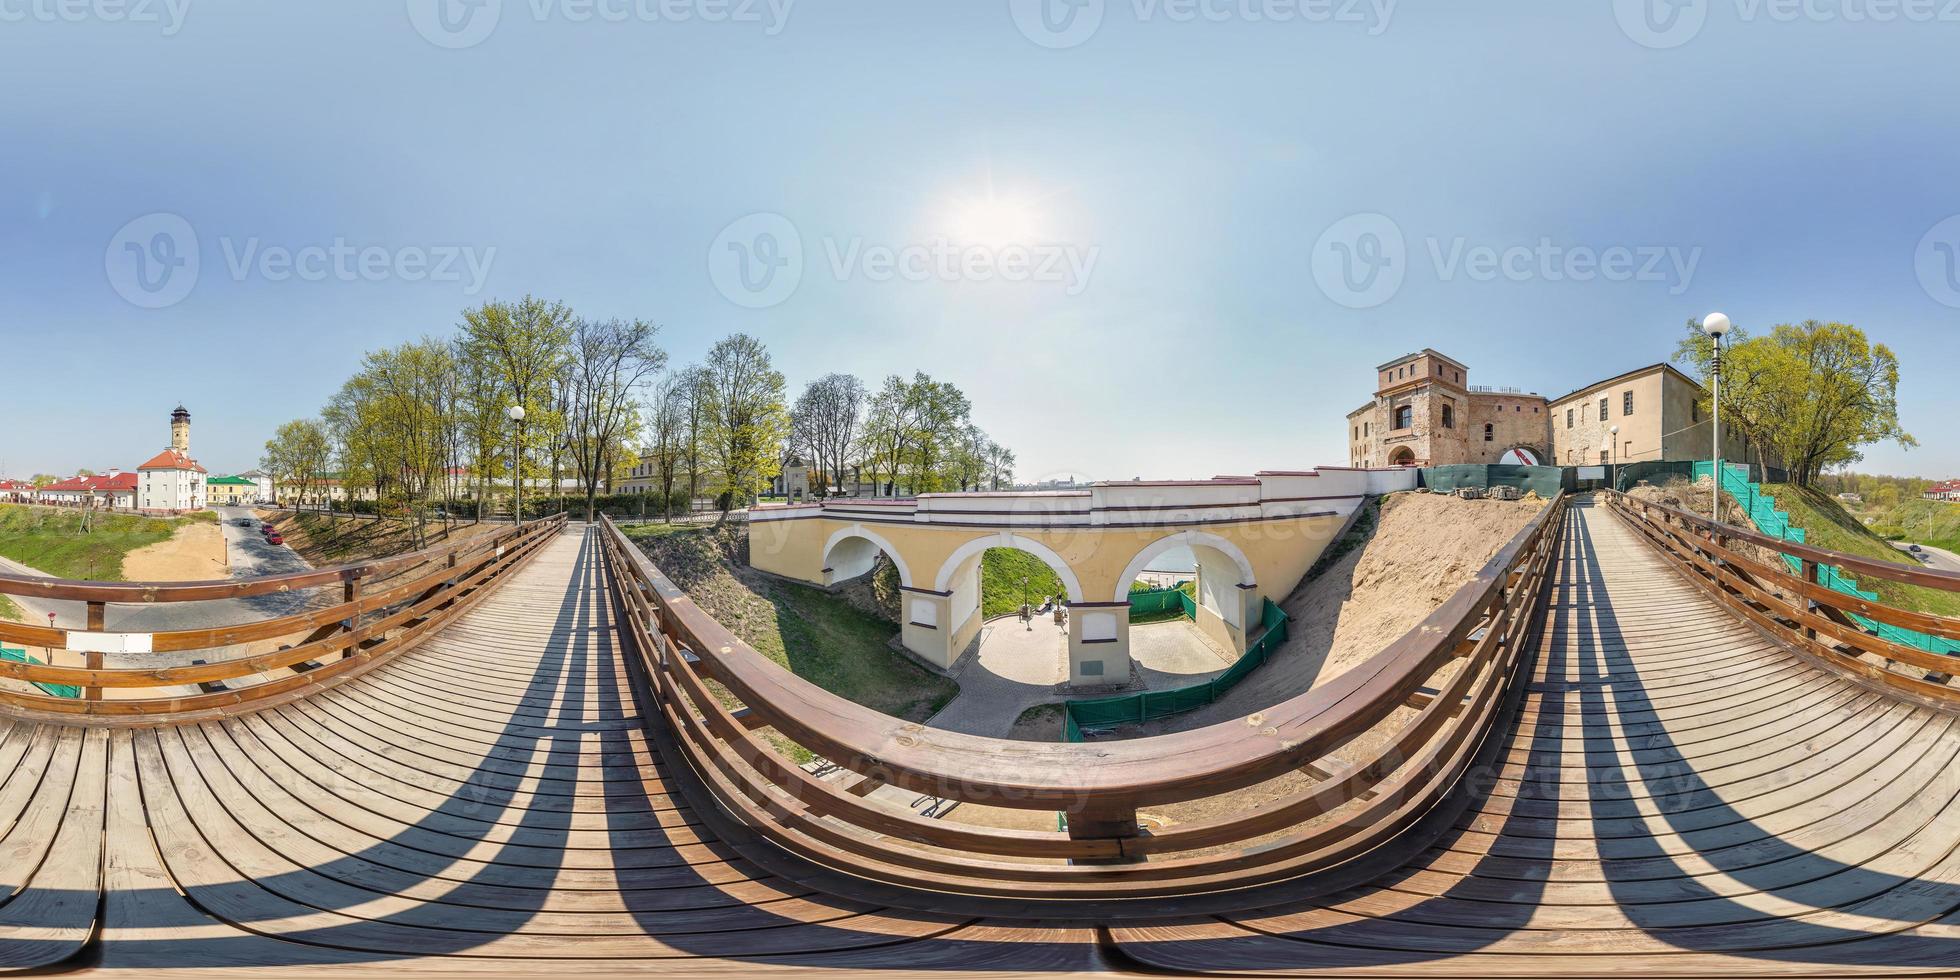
<point x="1602" y="409"/>
<point x="1694" y="411"/>
<point x="1364" y="428"/>
<point x="1404" y="417"/>
<point x="1626" y="403"/>
<point x="1449" y="417"/>
<point x="1487" y="432"/>
<point x="1568" y="418"/>
<point x="1357" y="432"/>
<point x="1602" y="455"/>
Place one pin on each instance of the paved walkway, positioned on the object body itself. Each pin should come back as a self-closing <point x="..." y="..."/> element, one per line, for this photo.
<point x="1017" y="668"/>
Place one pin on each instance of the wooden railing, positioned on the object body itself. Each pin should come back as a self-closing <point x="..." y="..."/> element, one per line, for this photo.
<point x="717" y="695"/>
<point x="383" y="608"/>
<point x="1807" y="615"/>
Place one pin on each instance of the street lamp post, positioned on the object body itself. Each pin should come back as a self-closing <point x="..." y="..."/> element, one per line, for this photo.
<point x="1025" y="611"/>
<point x="1614" y="435"/>
<point x="516" y="413"/>
<point x="1716" y="325"/>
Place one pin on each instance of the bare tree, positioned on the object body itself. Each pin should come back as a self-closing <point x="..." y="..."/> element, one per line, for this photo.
<point x="827" y="420"/>
<point x="610" y="363"/>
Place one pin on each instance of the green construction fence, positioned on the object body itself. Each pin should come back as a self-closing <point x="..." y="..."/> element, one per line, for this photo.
<point x="1545" y="481"/>
<point x="58" y="690"/>
<point x="1761" y="508"/>
<point x="1093" y="714"/>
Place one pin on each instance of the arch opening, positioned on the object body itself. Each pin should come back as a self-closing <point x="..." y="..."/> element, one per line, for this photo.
<point x="853" y="552"/>
<point x="1520" y="456"/>
<point x="1402" y="456"/>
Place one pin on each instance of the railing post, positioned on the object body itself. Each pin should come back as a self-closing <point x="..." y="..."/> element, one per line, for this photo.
<point x="350" y="591"/>
<point x="1810" y="605"/>
<point x="1104" y="821"/>
<point x="98" y="617"/>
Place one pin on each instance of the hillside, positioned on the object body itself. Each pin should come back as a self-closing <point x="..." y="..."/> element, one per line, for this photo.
<point x="1933" y="522"/>
<point x="52" y="540"/>
<point x="1001" y="571"/>
<point x="1827" y="525"/>
<point x="324" y="539"/>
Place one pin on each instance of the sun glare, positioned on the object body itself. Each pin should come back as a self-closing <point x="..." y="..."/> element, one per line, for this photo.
<point x="993" y="221"/>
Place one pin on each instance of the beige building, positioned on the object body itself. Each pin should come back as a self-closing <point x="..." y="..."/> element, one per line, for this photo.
<point x="1656" y="410"/>
<point x="1425" y="413"/>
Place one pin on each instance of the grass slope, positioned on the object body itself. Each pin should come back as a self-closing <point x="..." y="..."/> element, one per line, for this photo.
<point x="324" y="539"/>
<point x="51" y="539"/>
<point x="1827" y="525"/>
<point x="1933" y="522"/>
<point x="1001" y="571"/>
<point x="818" y="635"/>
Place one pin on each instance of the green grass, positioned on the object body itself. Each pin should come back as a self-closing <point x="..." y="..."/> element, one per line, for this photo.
<point x="1933" y="522"/>
<point x="1001" y="571"/>
<point x="1827" y="525"/>
<point x="51" y="539"/>
<point x="8" y="610"/>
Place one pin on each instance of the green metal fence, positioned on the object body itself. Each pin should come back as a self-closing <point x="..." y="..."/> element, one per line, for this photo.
<point x="1092" y="714"/>
<point x="58" y="690"/>
<point x="1545" y="481"/>
<point x="1761" y="508"/>
<point x="1151" y="602"/>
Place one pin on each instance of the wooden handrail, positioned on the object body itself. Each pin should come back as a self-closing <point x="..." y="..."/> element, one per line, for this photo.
<point x="364" y="629"/>
<point x="144" y="593"/>
<point x="680" y="648"/>
<point x="1808" y="616"/>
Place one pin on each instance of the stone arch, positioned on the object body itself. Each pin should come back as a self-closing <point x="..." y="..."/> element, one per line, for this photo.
<point x="845" y="547"/>
<point x="1402" y="456"/>
<point x="1536" y="455"/>
<point x="1008" y="539"/>
<point x="1190" y="539"/>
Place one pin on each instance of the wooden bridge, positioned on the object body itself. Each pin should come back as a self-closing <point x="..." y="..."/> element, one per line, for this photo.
<point x="1627" y="747"/>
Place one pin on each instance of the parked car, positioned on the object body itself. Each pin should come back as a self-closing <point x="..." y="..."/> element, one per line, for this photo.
<point x="1915" y="549"/>
<point x="275" y="538"/>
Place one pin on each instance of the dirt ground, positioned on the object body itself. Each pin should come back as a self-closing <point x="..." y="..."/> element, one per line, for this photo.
<point x="1693" y="497"/>
<point x="196" y="553"/>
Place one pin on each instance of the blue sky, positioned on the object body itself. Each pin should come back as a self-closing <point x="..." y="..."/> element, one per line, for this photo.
<point x="1160" y="194"/>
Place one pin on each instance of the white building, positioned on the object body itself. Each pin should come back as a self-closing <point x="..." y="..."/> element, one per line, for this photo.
<point x="172" y="482"/>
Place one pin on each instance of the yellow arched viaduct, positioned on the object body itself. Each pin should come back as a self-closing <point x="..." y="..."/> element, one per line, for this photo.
<point x="1254" y="538"/>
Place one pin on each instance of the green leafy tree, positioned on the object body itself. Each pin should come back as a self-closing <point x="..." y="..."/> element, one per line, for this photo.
<point x="1813" y="394"/>
<point x="747" y="420"/>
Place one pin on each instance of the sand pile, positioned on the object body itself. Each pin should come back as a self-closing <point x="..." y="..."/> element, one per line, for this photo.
<point x="196" y="553"/>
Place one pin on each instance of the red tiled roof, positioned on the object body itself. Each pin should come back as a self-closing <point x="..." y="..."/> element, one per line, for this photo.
<point x="94" y="484"/>
<point x="171" y="459"/>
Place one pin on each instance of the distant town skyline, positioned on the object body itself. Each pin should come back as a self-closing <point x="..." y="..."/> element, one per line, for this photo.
<point x="1177" y="272"/>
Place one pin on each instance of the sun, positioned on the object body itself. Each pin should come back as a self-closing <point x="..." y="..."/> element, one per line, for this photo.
<point x="993" y="221"/>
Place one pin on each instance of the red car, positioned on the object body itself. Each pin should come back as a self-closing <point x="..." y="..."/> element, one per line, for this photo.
<point x="275" y="538"/>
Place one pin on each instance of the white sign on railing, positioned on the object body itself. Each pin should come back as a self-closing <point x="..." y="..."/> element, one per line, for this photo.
<point x="84" y="642"/>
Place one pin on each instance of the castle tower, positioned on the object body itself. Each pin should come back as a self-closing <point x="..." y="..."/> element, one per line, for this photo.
<point x="180" y="430"/>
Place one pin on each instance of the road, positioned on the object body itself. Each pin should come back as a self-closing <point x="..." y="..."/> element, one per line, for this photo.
<point x="1943" y="560"/>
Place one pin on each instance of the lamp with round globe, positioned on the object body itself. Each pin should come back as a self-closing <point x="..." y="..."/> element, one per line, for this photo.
<point x="516" y="413"/>
<point x="1716" y="326"/>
